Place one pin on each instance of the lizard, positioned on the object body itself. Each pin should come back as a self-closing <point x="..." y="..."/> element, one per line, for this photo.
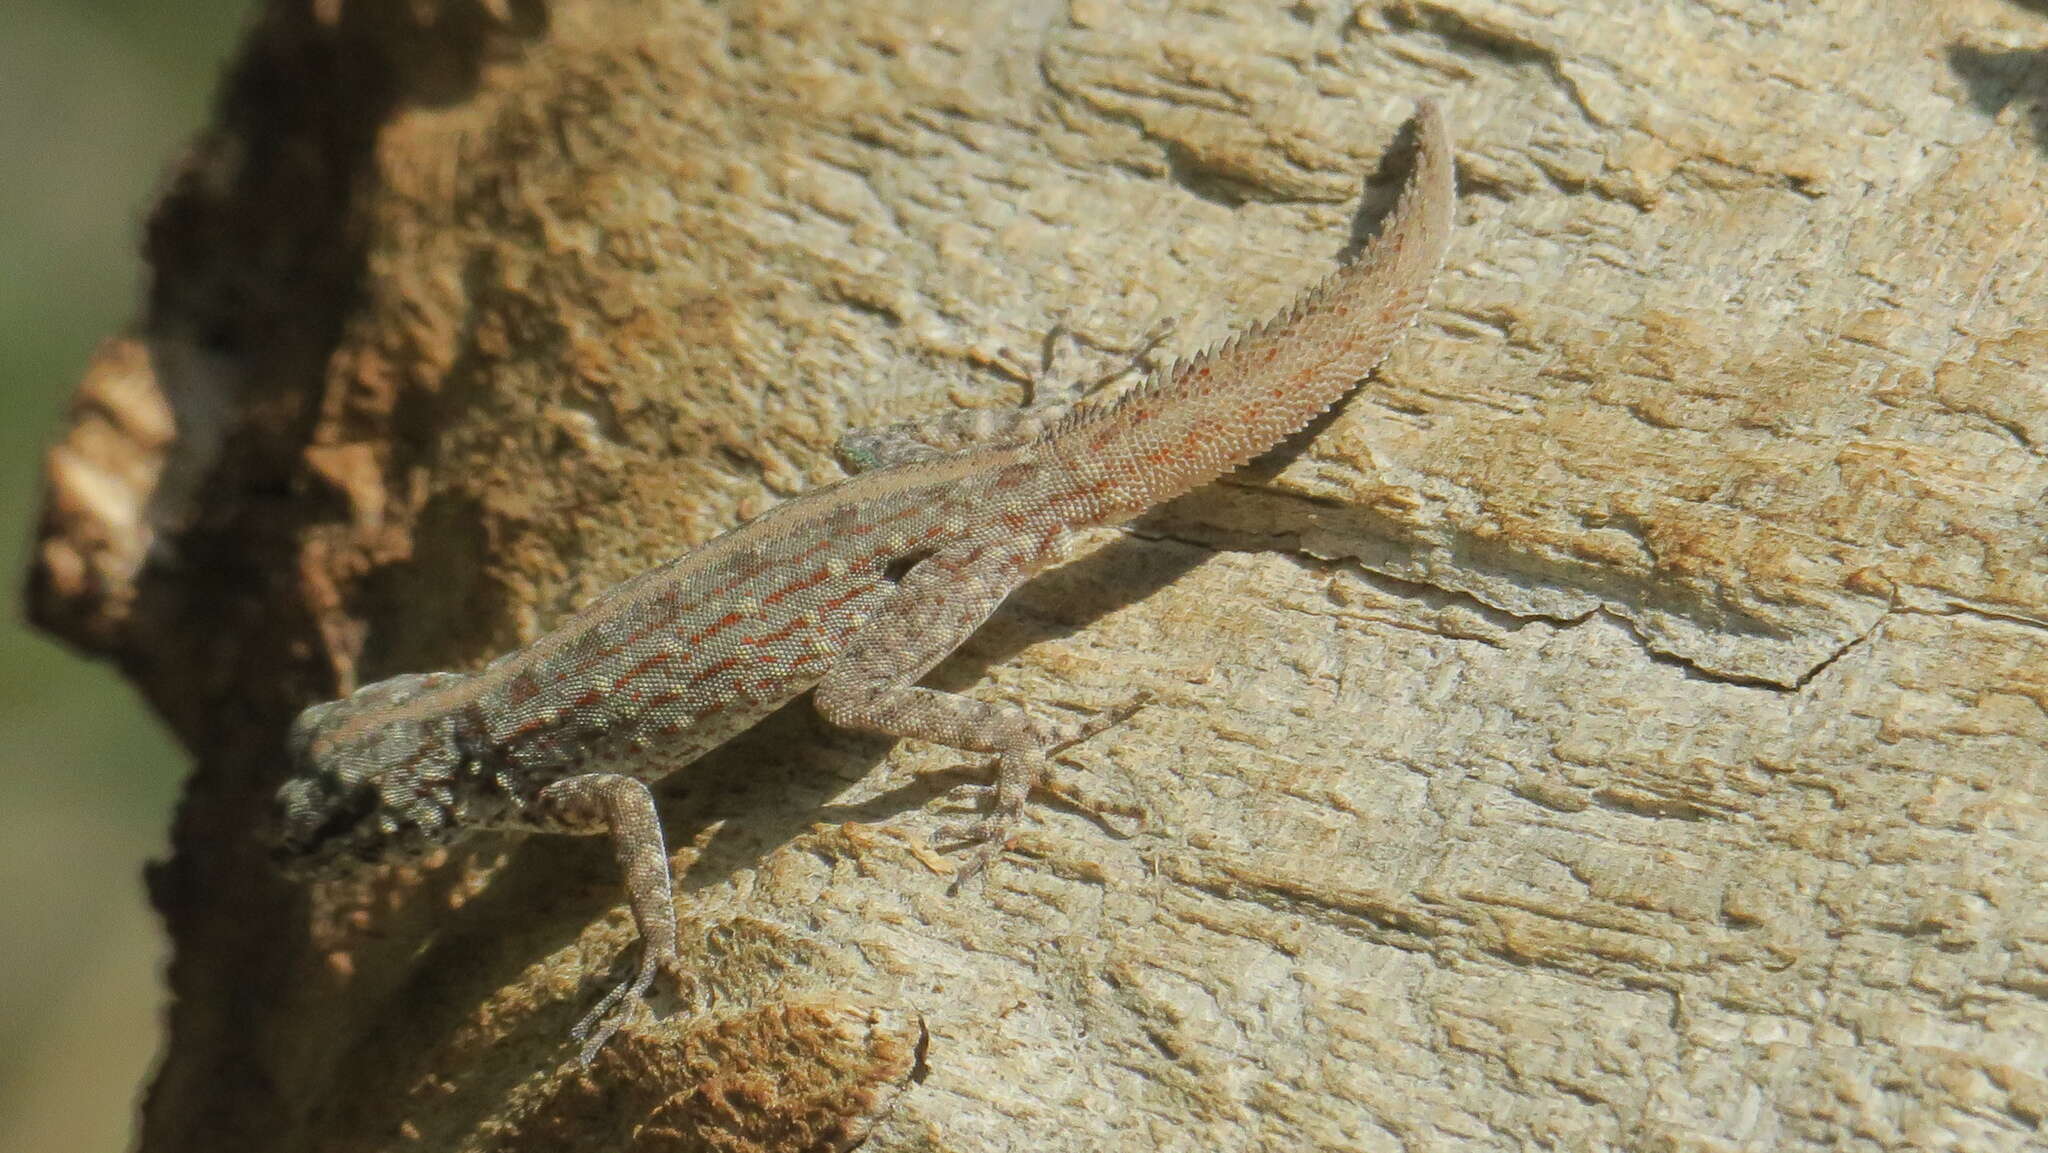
<point x="853" y="591"/>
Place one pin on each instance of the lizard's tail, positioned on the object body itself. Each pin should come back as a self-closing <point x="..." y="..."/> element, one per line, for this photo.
<point x="1199" y="419"/>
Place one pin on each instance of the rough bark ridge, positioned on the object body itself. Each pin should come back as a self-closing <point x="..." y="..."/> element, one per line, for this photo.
<point x="1624" y="725"/>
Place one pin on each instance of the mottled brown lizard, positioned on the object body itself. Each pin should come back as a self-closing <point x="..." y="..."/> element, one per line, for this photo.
<point x="856" y="589"/>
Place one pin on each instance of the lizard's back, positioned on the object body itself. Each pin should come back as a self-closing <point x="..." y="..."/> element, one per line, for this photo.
<point x="669" y="664"/>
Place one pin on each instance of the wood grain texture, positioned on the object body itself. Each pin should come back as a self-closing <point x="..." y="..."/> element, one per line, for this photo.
<point x="1622" y="725"/>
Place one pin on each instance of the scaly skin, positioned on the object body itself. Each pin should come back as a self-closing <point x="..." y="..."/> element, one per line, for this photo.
<point x="856" y="589"/>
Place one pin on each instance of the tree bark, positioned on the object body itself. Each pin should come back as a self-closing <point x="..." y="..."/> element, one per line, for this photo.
<point x="1623" y="725"/>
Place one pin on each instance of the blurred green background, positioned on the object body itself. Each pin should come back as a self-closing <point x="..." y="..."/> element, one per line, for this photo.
<point x="97" y="97"/>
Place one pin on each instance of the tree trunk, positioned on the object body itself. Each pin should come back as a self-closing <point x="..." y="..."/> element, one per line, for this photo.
<point x="1623" y="725"/>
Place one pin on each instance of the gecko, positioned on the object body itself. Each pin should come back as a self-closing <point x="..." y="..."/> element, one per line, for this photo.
<point x="852" y="591"/>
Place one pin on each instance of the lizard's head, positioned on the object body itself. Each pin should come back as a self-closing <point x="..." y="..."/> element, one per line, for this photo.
<point x="372" y="777"/>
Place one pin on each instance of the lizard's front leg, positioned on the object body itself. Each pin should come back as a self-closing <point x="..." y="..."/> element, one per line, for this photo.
<point x="623" y="807"/>
<point x="871" y="684"/>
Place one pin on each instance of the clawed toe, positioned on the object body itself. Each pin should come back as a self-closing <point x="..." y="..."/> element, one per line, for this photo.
<point x="970" y="795"/>
<point x="986" y="837"/>
<point x="974" y="866"/>
<point x="978" y="862"/>
<point x="598" y="1025"/>
<point x="612" y="1011"/>
<point x="960" y="833"/>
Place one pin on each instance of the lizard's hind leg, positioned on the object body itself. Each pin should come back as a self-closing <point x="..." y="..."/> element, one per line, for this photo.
<point x="871" y="685"/>
<point x="864" y="449"/>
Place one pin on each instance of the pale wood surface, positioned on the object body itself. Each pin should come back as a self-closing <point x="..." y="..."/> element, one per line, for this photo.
<point x="1624" y="725"/>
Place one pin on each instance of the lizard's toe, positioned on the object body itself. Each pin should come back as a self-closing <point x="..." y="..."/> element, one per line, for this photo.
<point x="617" y="1007"/>
<point x="986" y="838"/>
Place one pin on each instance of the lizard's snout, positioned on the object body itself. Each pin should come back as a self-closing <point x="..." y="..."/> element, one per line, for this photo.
<point x="311" y="819"/>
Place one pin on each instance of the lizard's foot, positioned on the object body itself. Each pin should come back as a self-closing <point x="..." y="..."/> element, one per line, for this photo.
<point x="989" y="836"/>
<point x="910" y="441"/>
<point x="618" y="1006"/>
<point x="626" y="1000"/>
<point x="1134" y="357"/>
<point x="1101" y="722"/>
<point x="1017" y="773"/>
